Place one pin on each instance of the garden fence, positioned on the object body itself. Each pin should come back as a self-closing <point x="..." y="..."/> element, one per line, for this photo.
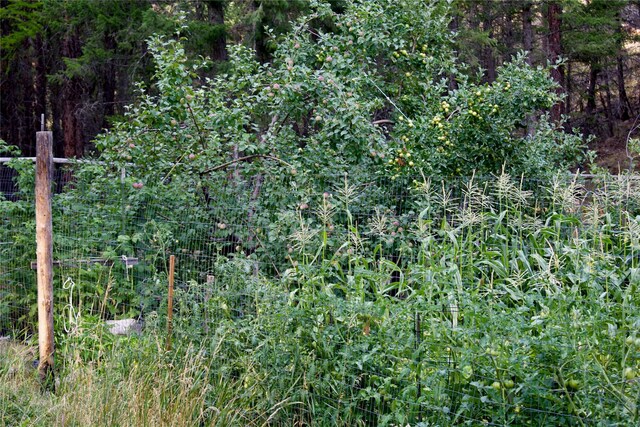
<point x="394" y="301"/>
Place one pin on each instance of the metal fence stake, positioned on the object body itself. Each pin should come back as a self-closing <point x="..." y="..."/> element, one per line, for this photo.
<point x="172" y="267"/>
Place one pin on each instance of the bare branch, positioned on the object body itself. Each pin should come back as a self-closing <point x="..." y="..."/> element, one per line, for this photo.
<point x="244" y="159"/>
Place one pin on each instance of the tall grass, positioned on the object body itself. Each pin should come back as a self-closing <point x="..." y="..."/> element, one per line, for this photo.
<point x="135" y="384"/>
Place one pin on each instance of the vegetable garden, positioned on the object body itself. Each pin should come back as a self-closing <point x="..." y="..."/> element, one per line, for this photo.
<point x="484" y="301"/>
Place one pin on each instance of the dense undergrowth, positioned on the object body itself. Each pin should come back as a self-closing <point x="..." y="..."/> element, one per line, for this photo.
<point x="496" y="307"/>
<point x="322" y="279"/>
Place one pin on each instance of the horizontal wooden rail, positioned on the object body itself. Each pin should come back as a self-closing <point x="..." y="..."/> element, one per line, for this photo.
<point x="59" y="160"/>
<point x="129" y="262"/>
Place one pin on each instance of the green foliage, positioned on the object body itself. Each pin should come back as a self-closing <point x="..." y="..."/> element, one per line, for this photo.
<point x="287" y="129"/>
<point x="108" y="32"/>
<point x="525" y="314"/>
<point x="23" y="19"/>
<point x="314" y="109"/>
<point x="593" y="30"/>
<point x="501" y="307"/>
<point x="262" y="19"/>
<point x="383" y="300"/>
<point x="17" y="228"/>
<point x="11" y="150"/>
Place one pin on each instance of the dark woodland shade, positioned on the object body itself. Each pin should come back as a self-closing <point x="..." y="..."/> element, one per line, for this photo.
<point x="76" y="61"/>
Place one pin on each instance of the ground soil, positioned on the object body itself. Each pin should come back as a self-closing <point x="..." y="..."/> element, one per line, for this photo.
<point x="612" y="150"/>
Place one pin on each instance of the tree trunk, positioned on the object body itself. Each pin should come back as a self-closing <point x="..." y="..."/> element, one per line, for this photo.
<point x="18" y="96"/>
<point x="72" y="91"/>
<point x="554" y="12"/>
<point x="626" y="110"/>
<point x="527" y="44"/>
<point x="30" y="120"/>
<point x="490" y="62"/>
<point x="608" y="109"/>
<point x="258" y="32"/>
<point x="41" y="78"/>
<point x="487" y="54"/>
<point x="609" y="130"/>
<point x="591" y="92"/>
<point x="527" y="31"/>
<point x="569" y="89"/>
<point x="215" y="11"/>
<point x="199" y="6"/>
<point x="507" y="38"/>
<point x="73" y="146"/>
<point x="109" y="80"/>
<point x="56" y="118"/>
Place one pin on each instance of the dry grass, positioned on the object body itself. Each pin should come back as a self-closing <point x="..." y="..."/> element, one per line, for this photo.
<point x="20" y="400"/>
<point x="149" y="390"/>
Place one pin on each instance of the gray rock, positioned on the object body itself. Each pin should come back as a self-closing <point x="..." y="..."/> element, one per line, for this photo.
<point x="124" y="326"/>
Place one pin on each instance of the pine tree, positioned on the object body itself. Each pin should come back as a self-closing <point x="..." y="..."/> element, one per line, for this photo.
<point x="592" y="36"/>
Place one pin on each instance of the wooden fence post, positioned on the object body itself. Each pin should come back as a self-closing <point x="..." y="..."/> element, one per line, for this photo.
<point x="44" y="252"/>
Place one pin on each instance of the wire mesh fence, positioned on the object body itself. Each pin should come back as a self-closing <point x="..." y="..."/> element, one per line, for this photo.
<point x="492" y="301"/>
<point x="8" y="185"/>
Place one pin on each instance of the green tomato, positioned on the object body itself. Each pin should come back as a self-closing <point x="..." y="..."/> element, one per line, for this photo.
<point x="496" y="385"/>
<point x="629" y="373"/>
<point x="573" y="384"/>
<point x="467" y="372"/>
<point x="493" y="352"/>
<point x="509" y="384"/>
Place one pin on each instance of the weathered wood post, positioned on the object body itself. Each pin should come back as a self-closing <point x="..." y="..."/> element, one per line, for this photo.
<point x="44" y="252"/>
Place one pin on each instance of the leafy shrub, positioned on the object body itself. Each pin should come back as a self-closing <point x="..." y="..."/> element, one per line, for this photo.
<point x="365" y="91"/>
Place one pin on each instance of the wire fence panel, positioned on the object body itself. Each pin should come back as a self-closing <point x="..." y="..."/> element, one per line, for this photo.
<point x="485" y="301"/>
